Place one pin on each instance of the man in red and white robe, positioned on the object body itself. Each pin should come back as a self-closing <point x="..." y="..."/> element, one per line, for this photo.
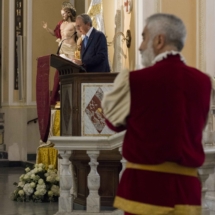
<point x="164" y="109"/>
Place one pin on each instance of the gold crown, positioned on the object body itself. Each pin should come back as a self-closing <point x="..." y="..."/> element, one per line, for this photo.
<point x="67" y="5"/>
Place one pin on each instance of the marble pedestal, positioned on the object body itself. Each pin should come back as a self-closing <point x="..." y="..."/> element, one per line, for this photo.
<point x="206" y="170"/>
<point x="210" y="195"/>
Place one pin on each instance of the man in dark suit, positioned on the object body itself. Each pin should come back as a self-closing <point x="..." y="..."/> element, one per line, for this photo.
<point x="94" y="53"/>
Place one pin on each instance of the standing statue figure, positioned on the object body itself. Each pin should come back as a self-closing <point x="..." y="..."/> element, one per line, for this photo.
<point x="66" y="33"/>
<point x="67" y="37"/>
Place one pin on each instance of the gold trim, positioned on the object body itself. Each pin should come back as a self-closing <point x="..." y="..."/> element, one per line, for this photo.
<point x="56" y="124"/>
<point x="47" y="156"/>
<point x="167" y="167"/>
<point x="145" y="209"/>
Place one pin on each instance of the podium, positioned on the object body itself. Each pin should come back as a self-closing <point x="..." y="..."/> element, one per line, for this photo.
<point x="65" y="66"/>
<point x="81" y="115"/>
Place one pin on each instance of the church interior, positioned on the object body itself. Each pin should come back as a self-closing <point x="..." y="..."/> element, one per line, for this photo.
<point x="24" y="40"/>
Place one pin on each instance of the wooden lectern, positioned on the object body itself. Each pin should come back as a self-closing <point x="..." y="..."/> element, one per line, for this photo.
<point x="81" y="115"/>
<point x="64" y="65"/>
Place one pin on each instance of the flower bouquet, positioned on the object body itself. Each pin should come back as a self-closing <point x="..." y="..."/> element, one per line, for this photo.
<point x="37" y="185"/>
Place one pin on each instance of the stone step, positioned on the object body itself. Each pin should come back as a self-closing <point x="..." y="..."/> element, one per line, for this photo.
<point x="3" y="155"/>
<point x="8" y="163"/>
<point x="30" y="156"/>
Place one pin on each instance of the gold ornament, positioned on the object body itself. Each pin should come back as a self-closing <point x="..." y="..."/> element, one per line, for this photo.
<point x="66" y="4"/>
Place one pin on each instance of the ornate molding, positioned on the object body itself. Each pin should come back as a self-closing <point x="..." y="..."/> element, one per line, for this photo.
<point x="201" y="35"/>
<point x="158" y="5"/>
<point x="119" y="55"/>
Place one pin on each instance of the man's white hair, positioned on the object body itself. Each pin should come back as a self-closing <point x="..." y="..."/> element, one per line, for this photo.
<point x="171" y="26"/>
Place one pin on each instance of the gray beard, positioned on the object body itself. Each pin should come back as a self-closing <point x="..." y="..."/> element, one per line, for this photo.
<point x="147" y="55"/>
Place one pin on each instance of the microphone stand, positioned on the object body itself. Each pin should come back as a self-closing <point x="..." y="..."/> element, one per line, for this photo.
<point x="58" y="50"/>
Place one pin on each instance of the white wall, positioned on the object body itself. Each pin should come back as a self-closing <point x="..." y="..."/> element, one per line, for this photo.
<point x="210" y="37"/>
<point x="143" y="8"/>
<point x="19" y="137"/>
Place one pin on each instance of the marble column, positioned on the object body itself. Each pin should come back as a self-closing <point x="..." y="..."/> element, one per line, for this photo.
<point x="123" y="161"/>
<point x="65" y="199"/>
<point x="93" y="183"/>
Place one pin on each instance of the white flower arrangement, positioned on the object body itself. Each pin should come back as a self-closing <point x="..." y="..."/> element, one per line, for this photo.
<point x="37" y="185"/>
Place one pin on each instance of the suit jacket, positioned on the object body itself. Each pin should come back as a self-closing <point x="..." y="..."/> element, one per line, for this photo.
<point x="95" y="55"/>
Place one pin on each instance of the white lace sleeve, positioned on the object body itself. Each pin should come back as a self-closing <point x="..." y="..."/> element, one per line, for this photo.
<point x="116" y="103"/>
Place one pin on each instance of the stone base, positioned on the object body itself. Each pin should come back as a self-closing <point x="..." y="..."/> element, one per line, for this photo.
<point x="93" y="204"/>
<point x="115" y="212"/>
<point x="7" y="163"/>
<point x="65" y="204"/>
<point x="210" y="200"/>
<point x="210" y="194"/>
<point x="212" y="212"/>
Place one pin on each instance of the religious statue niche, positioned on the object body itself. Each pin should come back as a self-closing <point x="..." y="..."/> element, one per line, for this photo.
<point x="18" y="31"/>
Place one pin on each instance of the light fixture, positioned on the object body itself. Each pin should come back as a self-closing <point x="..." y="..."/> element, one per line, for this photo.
<point x="126" y="38"/>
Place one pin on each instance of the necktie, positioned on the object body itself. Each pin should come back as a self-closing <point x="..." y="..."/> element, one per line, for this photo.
<point x="85" y="41"/>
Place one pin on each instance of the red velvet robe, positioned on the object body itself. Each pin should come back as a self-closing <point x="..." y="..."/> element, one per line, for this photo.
<point x="57" y="30"/>
<point x="169" y="107"/>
